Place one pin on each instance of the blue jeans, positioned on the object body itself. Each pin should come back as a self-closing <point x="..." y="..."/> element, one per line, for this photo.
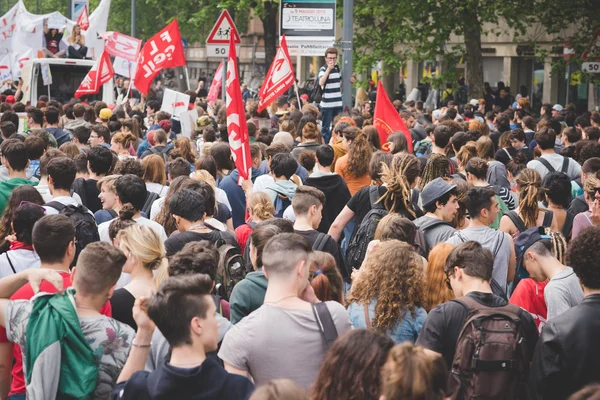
<point x="328" y="114"/>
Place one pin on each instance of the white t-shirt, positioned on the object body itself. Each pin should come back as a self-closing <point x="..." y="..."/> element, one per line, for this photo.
<point x="158" y="228"/>
<point x="220" y="196"/>
<point x="21" y="260"/>
<point x="556" y="161"/>
<point x="45" y="192"/>
<point x="66" y="200"/>
<point x="157" y="188"/>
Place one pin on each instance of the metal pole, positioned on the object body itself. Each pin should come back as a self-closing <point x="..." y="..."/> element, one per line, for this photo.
<point x="224" y="81"/>
<point x="133" y="18"/>
<point x="37" y="6"/>
<point x="347" y="54"/>
<point x="69" y="9"/>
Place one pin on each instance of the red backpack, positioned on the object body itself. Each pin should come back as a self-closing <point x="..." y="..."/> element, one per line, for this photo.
<point x="491" y="359"/>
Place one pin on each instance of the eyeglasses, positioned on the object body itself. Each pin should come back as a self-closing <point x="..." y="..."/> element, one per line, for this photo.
<point x="331" y="58"/>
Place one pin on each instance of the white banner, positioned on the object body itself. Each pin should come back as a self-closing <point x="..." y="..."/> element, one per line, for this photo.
<point x="57" y="21"/>
<point x="124" y="68"/>
<point x="175" y="102"/>
<point x="188" y="122"/>
<point x="46" y="74"/>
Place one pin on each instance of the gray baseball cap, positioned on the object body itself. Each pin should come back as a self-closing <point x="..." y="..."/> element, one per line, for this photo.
<point x="434" y="190"/>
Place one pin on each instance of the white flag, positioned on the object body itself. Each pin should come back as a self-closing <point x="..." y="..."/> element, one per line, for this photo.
<point x="123" y="67"/>
<point x="46" y="74"/>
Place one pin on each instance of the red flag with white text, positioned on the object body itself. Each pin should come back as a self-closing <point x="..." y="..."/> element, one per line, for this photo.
<point x="215" y="86"/>
<point x="279" y="78"/>
<point x="101" y="72"/>
<point x="237" y="130"/>
<point x="387" y="120"/>
<point x="119" y="45"/>
<point x="163" y="50"/>
<point x="83" y="21"/>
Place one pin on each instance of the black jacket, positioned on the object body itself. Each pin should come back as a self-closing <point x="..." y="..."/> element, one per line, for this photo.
<point x="578" y="205"/>
<point x="208" y="381"/>
<point x="567" y="355"/>
<point x="336" y="196"/>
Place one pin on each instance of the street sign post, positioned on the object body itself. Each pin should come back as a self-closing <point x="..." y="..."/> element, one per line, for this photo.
<point x="217" y="43"/>
<point x="308" y="25"/>
<point x="591" y="67"/>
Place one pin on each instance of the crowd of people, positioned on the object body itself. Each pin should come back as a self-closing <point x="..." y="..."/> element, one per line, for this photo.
<point x="136" y="264"/>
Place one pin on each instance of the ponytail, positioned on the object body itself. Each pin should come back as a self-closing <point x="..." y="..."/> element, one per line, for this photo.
<point x="399" y="179"/>
<point x="360" y="152"/>
<point x="325" y="278"/>
<point x="529" y="182"/>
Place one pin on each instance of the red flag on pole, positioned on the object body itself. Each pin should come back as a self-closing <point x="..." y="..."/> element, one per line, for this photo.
<point x="215" y="86"/>
<point x="163" y="50"/>
<point x="83" y="21"/>
<point x="279" y="78"/>
<point x="120" y="45"/>
<point x="101" y="72"/>
<point x="387" y="120"/>
<point x="237" y="130"/>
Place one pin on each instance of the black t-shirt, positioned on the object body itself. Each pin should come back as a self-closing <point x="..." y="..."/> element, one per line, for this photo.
<point x="88" y="191"/>
<point x="444" y="323"/>
<point x="223" y="213"/>
<point x="330" y="246"/>
<point x="502" y="155"/>
<point x="53" y="42"/>
<point x="121" y="303"/>
<point x="360" y="204"/>
<point x="176" y="242"/>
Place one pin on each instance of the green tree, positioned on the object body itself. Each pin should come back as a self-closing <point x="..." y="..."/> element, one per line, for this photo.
<point x="396" y="30"/>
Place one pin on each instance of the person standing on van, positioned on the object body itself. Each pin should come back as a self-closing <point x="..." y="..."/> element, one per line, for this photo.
<point x="53" y="38"/>
<point x="76" y="43"/>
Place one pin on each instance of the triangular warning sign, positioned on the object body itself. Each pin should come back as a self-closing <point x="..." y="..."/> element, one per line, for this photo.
<point x="222" y="30"/>
<point x="592" y="52"/>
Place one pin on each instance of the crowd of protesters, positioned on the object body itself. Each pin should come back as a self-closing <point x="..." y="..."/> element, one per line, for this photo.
<point x="136" y="264"/>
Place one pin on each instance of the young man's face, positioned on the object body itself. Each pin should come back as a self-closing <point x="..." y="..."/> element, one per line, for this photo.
<point x="494" y="210"/>
<point x="317" y="217"/>
<point x="210" y="326"/>
<point x="517" y="144"/>
<point x="95" y="140"/>
<point x="449" y="209"/>
<point x="532" y="265"/>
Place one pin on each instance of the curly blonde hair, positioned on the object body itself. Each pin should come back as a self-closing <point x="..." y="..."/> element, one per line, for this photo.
<point x="392" y="274"/>
<point x="261" y="205"/>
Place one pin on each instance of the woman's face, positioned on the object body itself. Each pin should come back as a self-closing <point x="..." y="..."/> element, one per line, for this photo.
<point x="108" y="199"/>
<point x="77" y="29"/>
<point x="346" y="143"/>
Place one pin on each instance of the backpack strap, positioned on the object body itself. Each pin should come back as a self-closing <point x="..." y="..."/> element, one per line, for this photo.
<point x="56" y="205"/>
<point x="325" y="323"/>
<point x="319" y="244"/>
<point x="374" y="196"/>
<point x="367" y="318"/>
<point x="548" y="216"/>
<point x="79" y="188"/>
<point x="11" y="264"/>
<point x="546" y="164"/>
<point x="565" y="165"/>
<point x="568" y="226"/>
<point x="514" y="217"/>
<point x="507" y="153"/>
<point x="473" y="305"/>
<point x="113" y="213"/>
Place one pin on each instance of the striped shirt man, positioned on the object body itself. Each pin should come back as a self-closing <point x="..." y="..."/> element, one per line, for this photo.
<point x="332" y="91"/>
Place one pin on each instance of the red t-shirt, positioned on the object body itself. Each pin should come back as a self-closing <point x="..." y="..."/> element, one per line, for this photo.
<point x="529" y="295"/>
<point x="25" y="293"/>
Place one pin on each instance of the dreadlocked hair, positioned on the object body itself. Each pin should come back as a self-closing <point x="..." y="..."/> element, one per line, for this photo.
<point x="559" y="244"/>
<point x="436" y="167"/>
<point x="399" y="178"/>
<point x="529" y="183"/>
<point x="359" y="153"/>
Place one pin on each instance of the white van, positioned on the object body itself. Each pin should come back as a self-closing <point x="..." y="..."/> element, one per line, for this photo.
<point x="67" y="75"/>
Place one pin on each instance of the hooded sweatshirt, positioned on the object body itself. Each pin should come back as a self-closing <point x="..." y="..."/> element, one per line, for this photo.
<point x="72" y="125"/>
<point x="284" y="187"/>
<point x="434" y="229"/>
<point x="247" y="295"/>
<point x="236" y="195"/>
<point x="7" y="187"/>
<point x="336" y="195"/>
<point x="208" y="381"/>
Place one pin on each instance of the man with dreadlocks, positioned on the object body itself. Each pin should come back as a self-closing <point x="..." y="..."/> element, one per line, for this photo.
<point x="436" y="167"/>
<point x="540" y="248"/>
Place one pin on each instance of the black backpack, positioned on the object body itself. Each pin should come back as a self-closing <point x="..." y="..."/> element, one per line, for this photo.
<point x="316" y="92"/>
<point x="366" y="231"/>
<point x="86" y="230"/>
<point x="163" y="153"/>
<point x="151" y="197"/>
<point x="231" y="268"/>
<point x="564" y="168"/>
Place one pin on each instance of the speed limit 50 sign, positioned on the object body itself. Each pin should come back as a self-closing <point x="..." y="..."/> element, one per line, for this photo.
<point x="591" y="67"/>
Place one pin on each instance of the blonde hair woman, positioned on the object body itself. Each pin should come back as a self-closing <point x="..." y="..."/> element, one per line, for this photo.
<point x="146" y="263"/>
<point x="260" y="208"/>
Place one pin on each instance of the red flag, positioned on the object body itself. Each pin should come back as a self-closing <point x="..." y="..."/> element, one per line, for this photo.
<point x="83" y="20"/>
<point x="120" y="45"/>
<point x="163" y="50"/>
<point x="387" y="120"/>
<point x="101" y="72"/>
<point x="237" y="130"/>
<point x="279" y="78"/>
<point x="215" y="86"/>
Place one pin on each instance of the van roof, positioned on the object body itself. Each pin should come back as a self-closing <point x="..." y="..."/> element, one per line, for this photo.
<point x="63" y="61"/>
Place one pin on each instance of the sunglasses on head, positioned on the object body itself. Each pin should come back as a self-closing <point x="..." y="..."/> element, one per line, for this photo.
<point x="33" y="204"/>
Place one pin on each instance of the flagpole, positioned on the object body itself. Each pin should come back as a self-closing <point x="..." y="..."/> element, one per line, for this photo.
<point x="297" y="94"/>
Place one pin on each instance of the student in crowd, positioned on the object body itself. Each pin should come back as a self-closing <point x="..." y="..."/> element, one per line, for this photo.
<point x="436" y="291"/>
<point x="191" y="335"/>
<point x="352" y="367"/>
<point x="145" y="259"/>
<point x="195" y="258"/>
<point x="283" y="166"/>
<point x="440" y="203"/>
<point x="288" y="308"/>
<point x="21" y="194"/>
<point x="550" y="161"/>
<point x="563" y="289"/>
<point x="249" y="294"/>
<point x="557" y="198"/>
<point x="100" y="136"/>
<point x="131" y="189"/>
<point x="589" y="168"/>
<point x="332" y="185"/>
<point x="354" y="166"/>
<point x="388" y="289"/>
<point x="15" y="159"/>
<point x="469" y="270"/>
<point x="155" y="176"/>
<point x="108" y="198"/>
<point x="51" y="115"/>
<point x="260" y="208"/>
<point x="496" y="172"/>
<point x="160" y="208"/>
<point x="311" y="139"/>
<point x="325" y="278"/>
<point x="483" y="208"/>
<point x="61" y="174"/>
<point x="21" y="255"/>
<point x="121" y="142"/>
<point x="100" y="161"/>
<point x="567" y="355"/>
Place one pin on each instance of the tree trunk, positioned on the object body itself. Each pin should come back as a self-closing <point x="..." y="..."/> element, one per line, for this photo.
<point x="473" y="56"/>
<point x="387" y="80"/>
<point x="270" y="29"/>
